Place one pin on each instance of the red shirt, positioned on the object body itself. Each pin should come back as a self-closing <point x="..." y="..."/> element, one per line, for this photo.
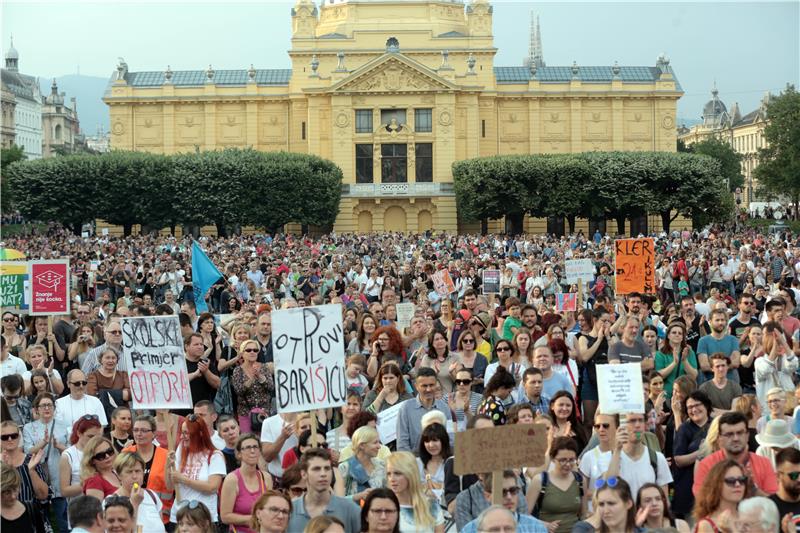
<point x="760" y="467"/>
<point x="98" y="482"/>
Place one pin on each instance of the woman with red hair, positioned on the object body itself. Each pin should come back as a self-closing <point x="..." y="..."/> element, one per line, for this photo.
<point x="196" y="469"/>
<point x="387" y="346"/>
<point x="69" y="466"/>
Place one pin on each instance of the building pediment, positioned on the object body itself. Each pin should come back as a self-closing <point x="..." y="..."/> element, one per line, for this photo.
<point x="392" y="73"/>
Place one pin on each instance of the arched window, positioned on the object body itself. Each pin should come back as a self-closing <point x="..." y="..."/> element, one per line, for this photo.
<point x="57" y="133"/>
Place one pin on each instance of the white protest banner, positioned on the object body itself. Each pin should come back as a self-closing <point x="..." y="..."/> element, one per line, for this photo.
<point x="620" y="388"/>
<point x="387" y="423"/>
<point x="153" y="350"/>
<point x="308" y="347"/>
<point x="405" y="312"/>
<point x="579" y="269"/>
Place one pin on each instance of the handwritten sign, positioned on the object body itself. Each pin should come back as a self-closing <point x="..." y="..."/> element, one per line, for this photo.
<point x="635" y="266"/>
<point x="405" y="312"/>
<point x="500" y="448"/>
<point x="14" y="285"/>
<point x="443" y="283"/>
<point x="308" y="346"/>
<point x="566" y="301"/>
<point x="387" y="423"/>
<point x="49" y="287"/>
<point x="491" y="282"/>
<point x="579" y="270"/>
<point x="153" y="350"/>
<point x="620" y="388"/>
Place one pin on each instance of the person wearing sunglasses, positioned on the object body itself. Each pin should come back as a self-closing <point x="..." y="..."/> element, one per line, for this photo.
<point x="787" y="497"/>
<point x="476" y="499"/>
<point x="470" y="358"/>
<point x="31" y="470"/>
<point x="98" y="478"/>
<point x="11" y="337"/>
<point x="46" y="433"/>
<point x="463" y="401"/>
<point x="18" y="405"/>
<point x="594" y="463"/>
<point x="113" y="339"/>
<point x="292" y="482"/>
<point x="78" y="403"/>
<point x="725" y="485"/>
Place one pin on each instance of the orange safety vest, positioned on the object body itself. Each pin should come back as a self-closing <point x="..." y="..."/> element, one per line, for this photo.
<point x="156" y="480"/>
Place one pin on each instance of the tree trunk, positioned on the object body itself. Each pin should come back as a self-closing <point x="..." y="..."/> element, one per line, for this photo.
<point x="484" y="226"/>
<point x="514" y="223"/>
<point x="571" y="222"/>
<point x="221" y="232"/>
<point x="172" y="228"/>
<point x="304" y="229"/>
<point x="620" y="224"/>
<point x="665" y="220"/>
<point x="75" y="227"/>
<point x="127" y="229"/>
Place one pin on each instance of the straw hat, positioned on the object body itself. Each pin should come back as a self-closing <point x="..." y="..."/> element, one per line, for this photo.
<point x="776" y="434"/>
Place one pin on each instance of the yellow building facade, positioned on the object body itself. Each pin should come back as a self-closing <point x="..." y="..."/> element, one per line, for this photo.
<point x="745" y="134"/>
<point x="394" y="92"/>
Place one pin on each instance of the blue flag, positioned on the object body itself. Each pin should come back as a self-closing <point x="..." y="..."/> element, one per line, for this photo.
<point x="204" y="275"/>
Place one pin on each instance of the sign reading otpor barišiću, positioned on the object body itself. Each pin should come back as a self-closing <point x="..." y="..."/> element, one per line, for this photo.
<point x="154" y="356"/>
<point x="49" y="287"/>
<point x="308" y="348"/>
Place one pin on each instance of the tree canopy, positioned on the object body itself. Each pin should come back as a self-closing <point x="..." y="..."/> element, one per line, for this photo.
<point x="228" y="188"/>
<point x="608" y="185"/>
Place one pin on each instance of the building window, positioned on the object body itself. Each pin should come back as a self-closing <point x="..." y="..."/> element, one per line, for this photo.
<point x="363" y="120"/>
<point x="424" y="161"/>
<point x="393" y="117"/>
<point x="303" y="131"/>
<point x="423" y="120"/>
<point x="483" y="128"/>
<point x="393" y="163"/>
<point x="363" y="163"/>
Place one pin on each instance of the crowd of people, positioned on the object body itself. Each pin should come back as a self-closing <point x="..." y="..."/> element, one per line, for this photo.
<point x="714" y="450"/>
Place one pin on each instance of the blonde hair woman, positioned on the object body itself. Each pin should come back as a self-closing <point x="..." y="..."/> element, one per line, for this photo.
<point x="418" y="514"/>
<point x="97" y="468"/>
<point x="363" y="471"/>
<point x="711" y="442"/>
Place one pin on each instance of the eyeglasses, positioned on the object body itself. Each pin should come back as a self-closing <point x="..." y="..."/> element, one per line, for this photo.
<point x="463" y="381"/>
<point x="694" y="406"/>
<point x="503" y="349"/>
<point x="115" y="331"/>
<point x="610" y="482"/>
<point x="511" y="491"/>
<point x="604" y="426"/>
<point x="105" y="454"/>
<point x="79" y="383"/>
<point x="45" y="406"/>
<point x="11" y="396"/>
<point x="382" y="339"/>
<point x="776" y="400"/>
<point x="468" y="341"/>
<point x="9" y="436"/>
<point x="794" y="476"/>
<point x="565" y="461"/>
<point x="251" y="350"/>
<point x="277" y="510"/>
<point x="250" y="448"/>
<point x="733" y="434"/>
<point x="733" y="481"/>
<point x="297" y="491"/>
<point x="142" y="430"/>
<point x="383" y="511"/>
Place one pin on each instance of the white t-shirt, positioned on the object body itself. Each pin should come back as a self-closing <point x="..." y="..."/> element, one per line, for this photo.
<point x="12" y="365"/>
<point x="149" y="513"/>
<point x="69" y="410"/>
<point x="217" y="441"/>
<point x="639" y="472"/>
<point x="199" y="467"/>
<point x="55" y="377"/>
<point x="270" y="431"/>
<point x="593" y="465"/>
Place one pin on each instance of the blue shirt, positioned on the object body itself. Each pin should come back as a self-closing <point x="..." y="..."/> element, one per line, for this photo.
<point x="409" y="422"/>
<point x="728" y="344"/>
<point x="525" y="524"/>
<point x="555" y="383"/>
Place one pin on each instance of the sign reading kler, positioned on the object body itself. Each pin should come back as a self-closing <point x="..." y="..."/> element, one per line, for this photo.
<point x="49" y="287"/>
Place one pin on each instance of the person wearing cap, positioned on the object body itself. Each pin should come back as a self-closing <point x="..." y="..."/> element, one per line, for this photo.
<point x="775" y="436"/>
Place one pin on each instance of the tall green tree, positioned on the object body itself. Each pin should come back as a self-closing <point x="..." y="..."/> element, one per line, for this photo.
<point x="730" y="160"/>
<point x="7" y="156"/>
<point x="778" y="170"/>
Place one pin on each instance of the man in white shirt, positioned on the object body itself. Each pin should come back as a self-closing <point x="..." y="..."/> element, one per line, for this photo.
<point x="633" y="461"/>
<point x="71" y="408"/>
<point x="9" y="364"/>
<point x="277" y="437"/>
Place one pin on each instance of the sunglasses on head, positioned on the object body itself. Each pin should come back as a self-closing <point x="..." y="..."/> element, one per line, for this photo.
<point x="610" y="482"/>
<point x="192" y="504"/>
<point x="192" y="417"/>
<point x="90" y="417"/>
<point x="9" y="436"/>
<point x="115" y="500"/>
<point x="105" y="454"/>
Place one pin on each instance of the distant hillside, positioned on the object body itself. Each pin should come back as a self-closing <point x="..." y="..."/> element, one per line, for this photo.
<point x="88" y="90"/>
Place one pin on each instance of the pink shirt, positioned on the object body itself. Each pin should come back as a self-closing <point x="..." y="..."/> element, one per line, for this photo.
<point x="245" y="499"/>
<point x="760" y="468"/>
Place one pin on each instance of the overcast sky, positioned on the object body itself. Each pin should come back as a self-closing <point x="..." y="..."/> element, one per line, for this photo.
<point x="747" y="47"/>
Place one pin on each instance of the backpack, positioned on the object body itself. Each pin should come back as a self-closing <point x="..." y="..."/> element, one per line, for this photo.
<point x="537" y="507"/>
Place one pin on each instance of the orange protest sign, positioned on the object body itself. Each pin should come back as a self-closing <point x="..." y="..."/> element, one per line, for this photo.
<point x="635" y="266"/>
<point x="443" y="283"/>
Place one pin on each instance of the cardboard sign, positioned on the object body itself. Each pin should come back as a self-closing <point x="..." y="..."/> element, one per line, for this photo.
<point x="620" y="388"/>
<point x="387" y="423"/>
<point x="49" y="287"/>
<point x="491" y="282"/>
<point x="635" y="266"/>
<point x="308" y="347"/>
<point x="443" y="283"/>
<point x="566" y="301"/>
<point x="14" y="285"/>
<point x="500" y="448"/>
<point x="153" y="350"/>
<point x="579" y="270"/>
<point x="405" y="312"/>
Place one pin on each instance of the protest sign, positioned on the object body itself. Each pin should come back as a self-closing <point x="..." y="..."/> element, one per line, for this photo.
<point x="14" y="285"/>
<point x="635" y="266"/>
<point x="153" y="350"/>
<point x="443" y="283"/>
<point x="491" y="282"/>
<point x="405" y="312"/>
<point x="566" y="301"/>
<point x="387" y="423"/>
<point x="620" y="388"/>
<point x="500" y="448"/>
<point x="49" y="287"/>
<point x="579" y="270"/>
<point x="308" y="347"/>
